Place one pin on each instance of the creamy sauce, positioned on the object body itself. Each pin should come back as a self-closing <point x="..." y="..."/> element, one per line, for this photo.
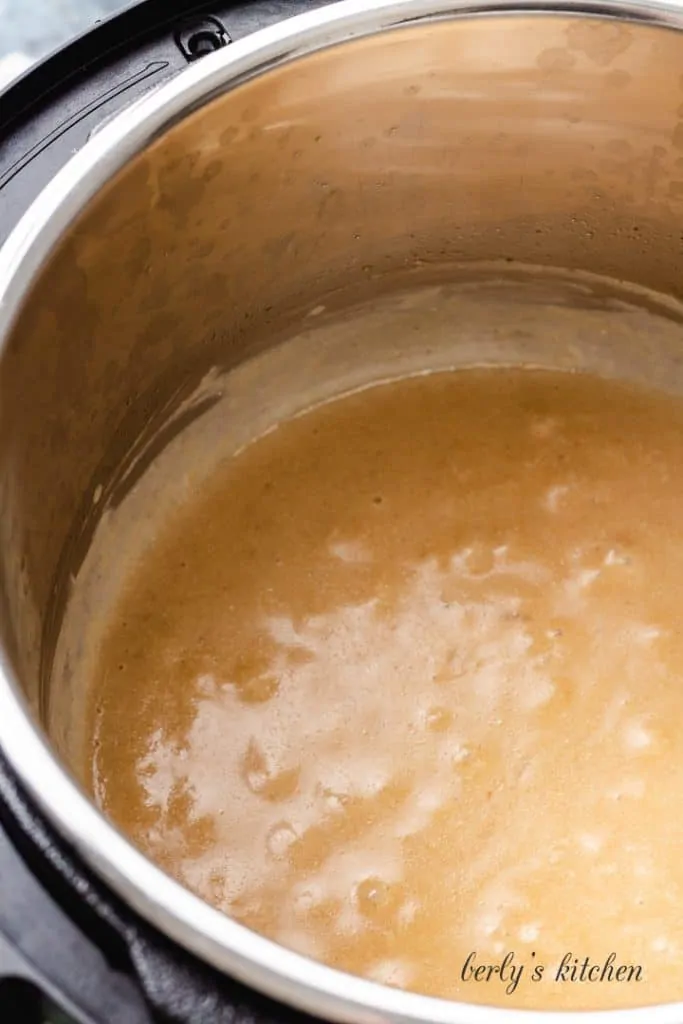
<point x="403" y="682"/>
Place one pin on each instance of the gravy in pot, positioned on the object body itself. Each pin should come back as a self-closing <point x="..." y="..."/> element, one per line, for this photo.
<point x="394" y="677"/>
<point x="403" y="682"/>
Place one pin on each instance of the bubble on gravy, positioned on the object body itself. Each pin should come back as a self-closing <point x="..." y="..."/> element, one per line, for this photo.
<point x="400" y="679"/>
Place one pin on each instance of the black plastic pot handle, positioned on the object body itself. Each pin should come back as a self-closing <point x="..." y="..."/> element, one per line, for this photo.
<point x="61" y="952"/>
<point x="46" y="961"/>
<point x="27" y="994"/>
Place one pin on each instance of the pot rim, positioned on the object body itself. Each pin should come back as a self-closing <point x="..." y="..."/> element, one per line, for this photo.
<point x="202" y="930"/>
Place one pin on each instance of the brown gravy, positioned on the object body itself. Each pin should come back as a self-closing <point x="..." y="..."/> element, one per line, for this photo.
<point x="404" y="681"/>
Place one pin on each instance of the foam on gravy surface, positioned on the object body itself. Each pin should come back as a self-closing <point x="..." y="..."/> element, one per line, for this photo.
<point x="403" y="680"/>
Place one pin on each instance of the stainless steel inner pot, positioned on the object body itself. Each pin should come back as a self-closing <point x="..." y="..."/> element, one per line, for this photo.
<point x="342" y="146"/>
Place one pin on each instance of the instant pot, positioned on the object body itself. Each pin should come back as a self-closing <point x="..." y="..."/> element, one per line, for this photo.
<point x="173" y="185"/>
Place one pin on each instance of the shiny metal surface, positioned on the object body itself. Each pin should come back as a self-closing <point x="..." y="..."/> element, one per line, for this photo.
<point x="191" y="229"/>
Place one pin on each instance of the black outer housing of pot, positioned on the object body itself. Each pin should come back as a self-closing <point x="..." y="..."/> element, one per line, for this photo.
<point x="67" y="943"/>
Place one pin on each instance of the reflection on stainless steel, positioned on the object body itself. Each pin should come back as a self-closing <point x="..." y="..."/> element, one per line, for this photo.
<point x="268" y="178"/>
